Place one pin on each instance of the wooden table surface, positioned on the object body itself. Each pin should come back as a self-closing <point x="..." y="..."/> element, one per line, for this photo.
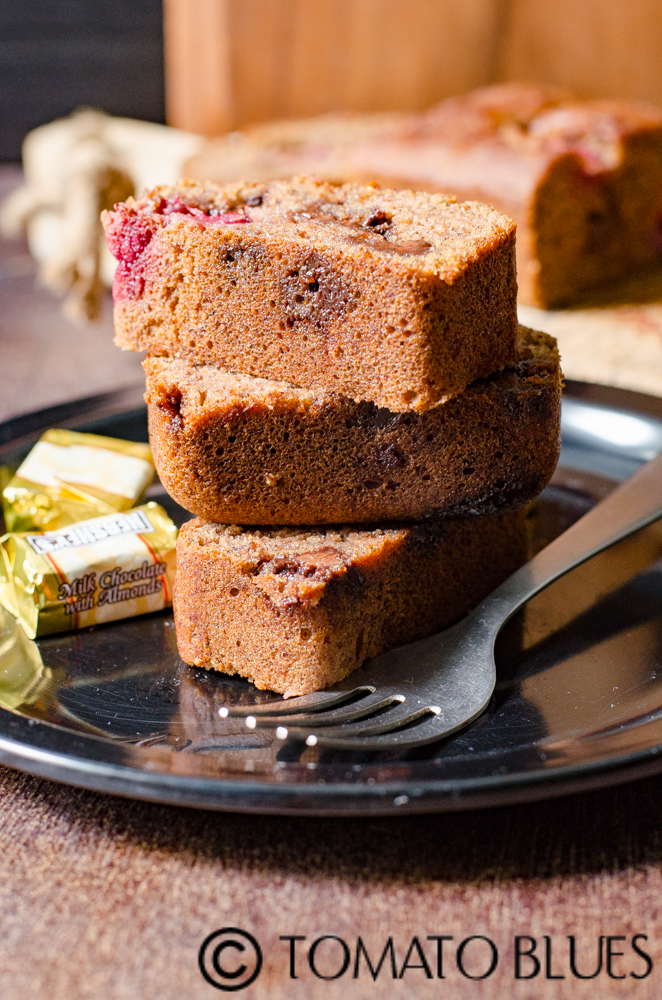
<point x="106" y="899"/>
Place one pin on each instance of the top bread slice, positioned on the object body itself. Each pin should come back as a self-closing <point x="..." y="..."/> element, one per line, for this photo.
<point x="397" y="297"/>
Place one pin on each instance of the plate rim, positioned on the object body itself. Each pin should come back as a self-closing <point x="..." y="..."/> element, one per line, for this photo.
<point x="231" y="795"/>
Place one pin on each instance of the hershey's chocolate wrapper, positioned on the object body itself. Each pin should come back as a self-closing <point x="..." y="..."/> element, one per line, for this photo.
<point x="70" y="476"/>
<point x="98" y="570"/>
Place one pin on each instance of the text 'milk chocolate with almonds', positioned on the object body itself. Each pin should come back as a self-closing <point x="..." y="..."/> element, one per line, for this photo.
<point x="399" y="298"/>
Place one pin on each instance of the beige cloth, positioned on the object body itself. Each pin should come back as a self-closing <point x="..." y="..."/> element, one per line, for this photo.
<point x="75" y="167"/>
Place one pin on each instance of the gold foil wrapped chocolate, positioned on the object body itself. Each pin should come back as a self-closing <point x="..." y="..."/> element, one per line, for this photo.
<point x="99" y="570"/>
<point x="23" y="677"/>
<point x="70" y="476"/>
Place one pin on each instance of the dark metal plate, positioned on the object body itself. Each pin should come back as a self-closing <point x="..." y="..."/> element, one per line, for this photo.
<point x="578" y="702"/>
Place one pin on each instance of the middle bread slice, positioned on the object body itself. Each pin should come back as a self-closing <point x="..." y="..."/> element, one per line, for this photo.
<point x="237" y="449"/>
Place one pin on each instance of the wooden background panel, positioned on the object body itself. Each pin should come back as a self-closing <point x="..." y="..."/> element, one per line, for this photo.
<point x="231" y="62"/>
<point x="197" y="82"/>
<point x="597" y="48"/>
<point x="260" y="57"/>
<point x="387" y="54"/>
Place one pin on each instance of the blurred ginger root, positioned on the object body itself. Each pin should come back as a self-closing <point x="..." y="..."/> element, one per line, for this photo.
<point x="74" y="168"/>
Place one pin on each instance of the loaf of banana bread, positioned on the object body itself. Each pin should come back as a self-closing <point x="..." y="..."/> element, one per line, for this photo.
<point x="250" y="451"/>
<point x="582" y="179"/>
<point x="395" y="297"/>
<point x="296" y="610"/>
<point x="276" y="150"/>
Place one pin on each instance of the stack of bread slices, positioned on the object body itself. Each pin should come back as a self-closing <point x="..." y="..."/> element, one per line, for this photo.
<point x="339" y="391"/>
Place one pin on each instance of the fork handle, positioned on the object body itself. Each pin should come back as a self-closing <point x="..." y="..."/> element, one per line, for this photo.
<point x="633" y="505"/>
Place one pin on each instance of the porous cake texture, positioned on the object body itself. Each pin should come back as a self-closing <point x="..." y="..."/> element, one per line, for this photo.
<point x="294" y="610"/>
<point x="395" y="297"/>
<point x="238" y="449"/>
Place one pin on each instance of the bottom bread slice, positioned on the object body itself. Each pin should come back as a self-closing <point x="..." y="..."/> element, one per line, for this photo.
<point x="295" y="610"/>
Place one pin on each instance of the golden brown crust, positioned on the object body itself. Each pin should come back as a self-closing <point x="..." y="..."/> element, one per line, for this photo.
<point x="399" y="298"/>
<point x="296" y="610"/>
<point x="251" y="451"/>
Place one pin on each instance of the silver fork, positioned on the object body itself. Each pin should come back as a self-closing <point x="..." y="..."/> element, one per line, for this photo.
<point x="431" y="688"/>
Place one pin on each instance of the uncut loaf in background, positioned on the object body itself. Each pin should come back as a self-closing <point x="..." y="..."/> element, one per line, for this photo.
<point x="295" y="610"/>
<point x="582" y="179"/>
<point x="397" y="297"/>
<point x="232" y="448"/>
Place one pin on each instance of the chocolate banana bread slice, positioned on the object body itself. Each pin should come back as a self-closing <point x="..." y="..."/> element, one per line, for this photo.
<point x="296" y="610"/>
<point x="395" y="297"/>
<point x="235" y="448"/>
